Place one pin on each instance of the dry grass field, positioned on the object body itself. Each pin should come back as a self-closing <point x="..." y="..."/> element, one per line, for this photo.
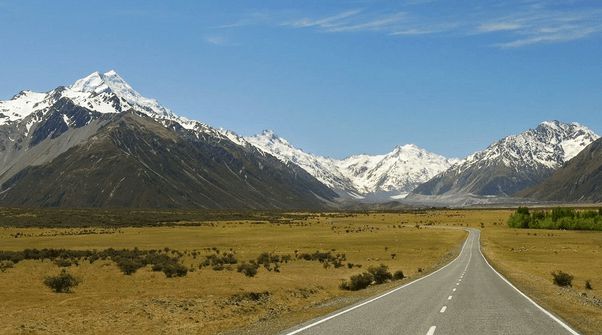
<point x="206" y="301"/>
<point x="527" y="257"/>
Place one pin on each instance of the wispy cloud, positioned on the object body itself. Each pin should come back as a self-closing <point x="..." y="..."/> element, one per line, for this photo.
<point x="324" y="22"/>
<point x="511" y="24"/>
<point x="218" y="40"/>
<point x="498" y="26"/>
<point x="541" y="25"/>
<point x="358" y="20"/>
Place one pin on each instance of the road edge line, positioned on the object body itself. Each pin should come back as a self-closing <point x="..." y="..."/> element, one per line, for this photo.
<point x="345" y="311"/>
<point x="549" y="314"/>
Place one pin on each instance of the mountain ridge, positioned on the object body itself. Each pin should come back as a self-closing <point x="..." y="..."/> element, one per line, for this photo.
<point x="513" y="163"/>
<point x="362" y="177"/>
<point x="60" y="143"/>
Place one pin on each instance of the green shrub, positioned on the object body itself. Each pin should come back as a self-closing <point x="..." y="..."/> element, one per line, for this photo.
<point x="248" y="269"/>
<point x="61" y="283"/>
<point x="174" y="269"/>
<point x="129" y="265"/>
<point x="380" y="273"/>
<point x="398" y="275"/>
<point x="358" y="282"/>
<point x="562" y="279"/>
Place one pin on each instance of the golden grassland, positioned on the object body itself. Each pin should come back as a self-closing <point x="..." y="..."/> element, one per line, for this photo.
<point x="207" y="301"/>
<point x="528" y="256"/>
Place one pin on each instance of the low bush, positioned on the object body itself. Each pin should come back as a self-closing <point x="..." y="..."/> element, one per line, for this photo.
<point x="61" y="283"/>
<point x="562" y="279"/>
<point x="174" y="269"/>
<point x="358" y="282"/>
<point x="248" y="269"/>
<point x="128" y="260"/>
<point x="398" y="275"/>
<point x="380" y="273"/>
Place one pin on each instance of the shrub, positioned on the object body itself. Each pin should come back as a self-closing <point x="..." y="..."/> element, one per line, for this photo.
<point x="562" y="279"/>
<point x="62" y="262"/>
<point x="357" y="282"/>
<point x="588" y="285"/>
<point x="380" y="273"/>
<point x="61" y="283"/>
<point x="5" y="265"/>
<point x="398" y="275"/>
<point x="248" y="269"/>
<point x="174" y="269"/>
<point x="129" y="265"/>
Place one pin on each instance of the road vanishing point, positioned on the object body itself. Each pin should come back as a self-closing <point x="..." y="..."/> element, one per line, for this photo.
<point x="466" y="296"/>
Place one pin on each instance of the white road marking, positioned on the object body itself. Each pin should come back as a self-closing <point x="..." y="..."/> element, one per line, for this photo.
<point x="457" y="284"/>
<point x="454" y="289"/>
<point x="560" y="322"/>
<point x="311" y="325"/>
<point x="443" y="309"/>
<point x="431" y="330"/>
<point x="449" y="298"/>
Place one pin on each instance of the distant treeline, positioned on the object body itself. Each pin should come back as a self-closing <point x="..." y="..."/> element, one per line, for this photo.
<point x="556" y="218"/>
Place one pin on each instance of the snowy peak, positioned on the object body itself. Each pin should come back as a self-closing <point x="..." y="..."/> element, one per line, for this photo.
<point x="549" y="145"/>
<point x="322" y="168"/>
<point x="21" y="105"/>
<point x="391" y="175"/>
<point x="94" y="83"/>
<point x="514" y="162"/>
<point x="103" y="87"/>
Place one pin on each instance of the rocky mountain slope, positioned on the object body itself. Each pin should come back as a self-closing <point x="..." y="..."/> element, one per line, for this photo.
<point x="579" y="180"/>
<point x="99" y="143"/>
<point x="513" y="163"/>
<point x="364" y="177"/>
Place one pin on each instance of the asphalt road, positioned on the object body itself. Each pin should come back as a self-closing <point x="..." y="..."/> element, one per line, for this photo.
<point x="467" y="296"/>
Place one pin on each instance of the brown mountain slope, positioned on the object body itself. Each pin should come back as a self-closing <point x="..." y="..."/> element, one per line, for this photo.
<point x="133" y="161"/>
<point x="579" y="180"/>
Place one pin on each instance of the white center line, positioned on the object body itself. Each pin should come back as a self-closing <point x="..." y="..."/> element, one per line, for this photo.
<point x="431" y="330"/>
<point x="443" y="309"/>
<point x="449" y="298"/>
<point x="454" y="289"/>
<point x="457" y="284"/>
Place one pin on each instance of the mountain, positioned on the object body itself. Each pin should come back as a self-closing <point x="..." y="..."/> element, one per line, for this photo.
<point x="511" y="164"/>
<point x="366" y="177"/>
<point x="579" y="180"/>
<point x="99" y="143"/>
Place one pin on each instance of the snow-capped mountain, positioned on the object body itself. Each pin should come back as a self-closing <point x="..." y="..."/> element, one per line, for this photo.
<point x="98" y="143"/>
<point x="370" y="177"/>
<point x="513" y="163"/>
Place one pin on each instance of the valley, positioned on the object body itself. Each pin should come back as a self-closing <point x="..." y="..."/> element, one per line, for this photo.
<point x="214" y="299"/>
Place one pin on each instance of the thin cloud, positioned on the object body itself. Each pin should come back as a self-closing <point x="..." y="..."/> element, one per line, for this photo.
<point x="511" y="24"/>
<point x="218" y="40"/>
<point x="498" y="26"/>
<point x="542" y="26"/>
<point x="325" y="22"/>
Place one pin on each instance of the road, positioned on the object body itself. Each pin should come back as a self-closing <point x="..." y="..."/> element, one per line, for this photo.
<point x="467" y="296"/>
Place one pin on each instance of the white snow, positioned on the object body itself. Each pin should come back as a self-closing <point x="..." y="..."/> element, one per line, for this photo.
<point x="397" y="172"/>
<point x="22" y="105"/>
<point x="103" y="93"/>
<point x="549" y="145"/>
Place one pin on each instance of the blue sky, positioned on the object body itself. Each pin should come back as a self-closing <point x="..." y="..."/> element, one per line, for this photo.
<point x="333" y="77"/>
